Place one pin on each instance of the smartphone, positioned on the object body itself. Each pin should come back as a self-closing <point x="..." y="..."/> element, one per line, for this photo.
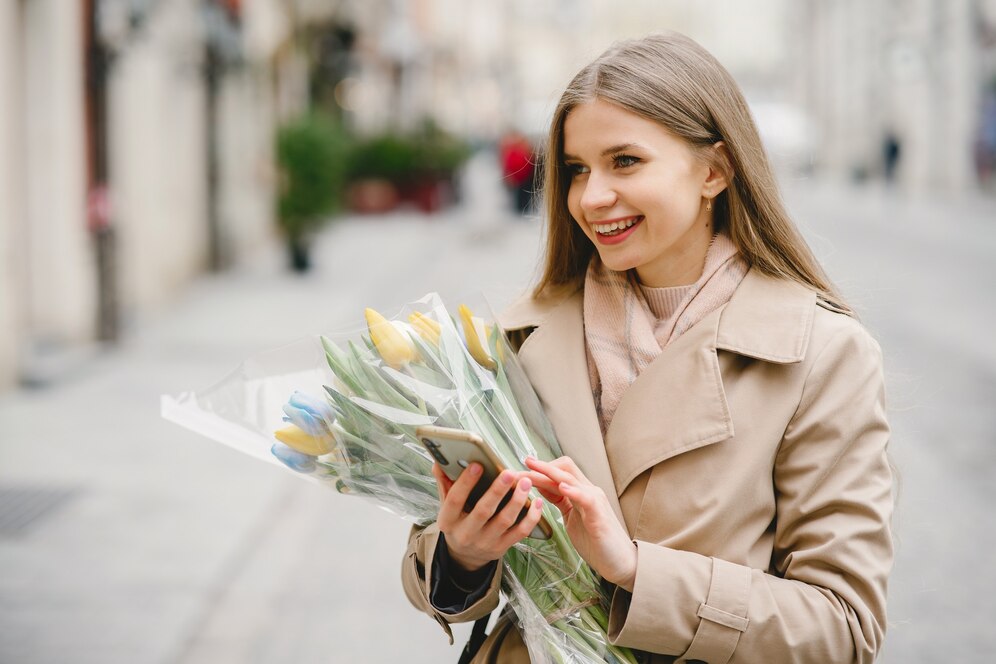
<point x="455" y="449"/>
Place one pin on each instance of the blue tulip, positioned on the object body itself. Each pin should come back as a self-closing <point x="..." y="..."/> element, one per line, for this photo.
<point x="296" y="461"/>
<point x="311" y="415"/>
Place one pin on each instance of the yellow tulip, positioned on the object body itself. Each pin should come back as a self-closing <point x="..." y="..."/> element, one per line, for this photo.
<point x="295" y="438"/>
<point x="427" y="328"/>
<point x="390" y="343"/>
<point x="473" y="329"/>
<point x="500" y="345"/>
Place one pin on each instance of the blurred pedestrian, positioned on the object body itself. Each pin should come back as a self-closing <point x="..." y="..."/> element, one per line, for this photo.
<point x="518" y="166"/>
<point x="720" y="406"/>
<point x="985" y="144"/>
<point x="891" y="151"/>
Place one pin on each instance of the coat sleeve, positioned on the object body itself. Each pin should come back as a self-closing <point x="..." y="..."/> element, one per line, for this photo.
<point x="823" y="599"/>
<point x="416" y="578"/>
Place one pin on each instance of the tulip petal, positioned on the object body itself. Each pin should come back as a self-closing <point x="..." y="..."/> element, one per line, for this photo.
<point x="472" y="336"/>
<point x="295" y="437"/>
<point x="314" y="416"/>
<point x="391" y="344"/>
<point x="296" y="461"/>
<point x="427" y="328"/>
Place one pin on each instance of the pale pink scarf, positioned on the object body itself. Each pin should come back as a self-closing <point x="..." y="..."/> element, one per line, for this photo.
<point x="622" y="334"/>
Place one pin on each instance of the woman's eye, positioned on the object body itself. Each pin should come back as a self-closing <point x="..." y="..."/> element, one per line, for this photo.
<point x="625" y="161"/>
<point x="576" y="169"/>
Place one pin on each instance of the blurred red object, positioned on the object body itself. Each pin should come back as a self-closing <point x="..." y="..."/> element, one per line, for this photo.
<point x="370" y="196"/>
<point x="516" y="159"/>
<point x="98" y="208"/>
<point x="233" y="7"/>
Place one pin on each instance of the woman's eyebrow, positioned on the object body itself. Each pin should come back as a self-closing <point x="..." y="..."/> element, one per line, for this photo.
<point x="622" y="147"/>
<point x="606" y="152"/>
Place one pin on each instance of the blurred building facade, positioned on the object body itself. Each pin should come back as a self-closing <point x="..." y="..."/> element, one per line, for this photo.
<point x="137" y="155"/>
<point x="902" y="81"/>
<point x="47" y="281"/>
<point x="479" y="68"/>
<point x="135" y="143"/>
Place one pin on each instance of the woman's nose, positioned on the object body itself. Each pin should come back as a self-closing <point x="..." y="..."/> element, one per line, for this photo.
<point x="597" y="194"/>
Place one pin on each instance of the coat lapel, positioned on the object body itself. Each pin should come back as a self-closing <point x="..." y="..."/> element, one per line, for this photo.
<point x="554" y="358"/>
<point x="675" y="405"/>
<point x="678" y="403"/>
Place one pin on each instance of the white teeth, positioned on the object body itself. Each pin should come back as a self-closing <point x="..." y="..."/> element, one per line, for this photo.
<point x="615" y="225"/>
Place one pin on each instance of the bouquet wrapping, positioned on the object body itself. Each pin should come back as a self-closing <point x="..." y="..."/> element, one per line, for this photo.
<point x="343" y="410"/>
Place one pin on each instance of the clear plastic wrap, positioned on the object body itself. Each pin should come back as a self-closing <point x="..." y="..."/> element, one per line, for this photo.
<point x="343" y="410"/>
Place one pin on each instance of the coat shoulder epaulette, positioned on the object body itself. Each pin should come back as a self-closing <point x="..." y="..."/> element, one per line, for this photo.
<point x="831" y="306"/>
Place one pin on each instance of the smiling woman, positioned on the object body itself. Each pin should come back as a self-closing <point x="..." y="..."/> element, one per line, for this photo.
<point x="720" y="408"/>
<point x="620" y="163"/>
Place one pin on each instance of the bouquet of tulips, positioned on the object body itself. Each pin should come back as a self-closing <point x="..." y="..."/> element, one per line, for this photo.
<point x="344" y="411"/>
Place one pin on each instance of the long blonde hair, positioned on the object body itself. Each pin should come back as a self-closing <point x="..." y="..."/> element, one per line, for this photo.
<point x="670" y="79"/>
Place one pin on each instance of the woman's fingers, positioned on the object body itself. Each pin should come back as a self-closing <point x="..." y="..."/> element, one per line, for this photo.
<point x="562" y="504"/>
<point x="577" y="494"/>
<point x="451" y="508"/>
<point x="560" y="470"/>
<point x="525" y="527"/>
<point x="542" y="482"/>
<point x="552" y="495"/>
<point x="567" y="463"/>
<point x="591" y="501"/>
<point x="487" y="505"/>
<point x="562" y="477"/>
<point x="505" y="518"/>
<point x="549" y="490"/>
<point x="443" y="483"/>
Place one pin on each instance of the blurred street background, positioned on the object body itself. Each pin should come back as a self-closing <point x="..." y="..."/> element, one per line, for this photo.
<point x="185" y="183"/>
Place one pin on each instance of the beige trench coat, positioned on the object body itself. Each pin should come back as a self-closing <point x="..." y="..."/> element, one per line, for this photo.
<point x="747" y="462"/>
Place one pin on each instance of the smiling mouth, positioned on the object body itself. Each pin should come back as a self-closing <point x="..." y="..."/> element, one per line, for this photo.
<point x="616" y="227"/>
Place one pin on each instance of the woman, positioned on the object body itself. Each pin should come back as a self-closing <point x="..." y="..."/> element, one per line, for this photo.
<point x="720" y="409"/>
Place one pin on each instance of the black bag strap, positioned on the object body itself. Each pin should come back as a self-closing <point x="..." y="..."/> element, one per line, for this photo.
<point x="477" y="637"/>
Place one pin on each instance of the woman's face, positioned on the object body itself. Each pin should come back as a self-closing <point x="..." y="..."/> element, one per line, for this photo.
<point x="630" y="174"/>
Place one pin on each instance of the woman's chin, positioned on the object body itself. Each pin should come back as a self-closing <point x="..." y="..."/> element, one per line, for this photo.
<point x="615" y="262"/>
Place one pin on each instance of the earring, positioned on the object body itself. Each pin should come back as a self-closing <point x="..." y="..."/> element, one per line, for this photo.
<point x="708" y="205"/>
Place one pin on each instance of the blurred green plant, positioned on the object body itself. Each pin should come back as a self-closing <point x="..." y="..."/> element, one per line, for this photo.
<point x="419" y="167"/>
<point x="312" y="154"/>
<point x="441" y="153"/>
<point x="389" y="156"/>
<point x="427" y="153"/>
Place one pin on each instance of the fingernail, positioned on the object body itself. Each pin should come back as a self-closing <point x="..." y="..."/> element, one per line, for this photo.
<point x="475" y="469"/>
<point x="506" y="477"/>
<point x="538" y="502"/>
<point x="525" y="484"/>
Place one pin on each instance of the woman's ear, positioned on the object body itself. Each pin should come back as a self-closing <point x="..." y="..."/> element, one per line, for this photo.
<point x="720" y="170"/>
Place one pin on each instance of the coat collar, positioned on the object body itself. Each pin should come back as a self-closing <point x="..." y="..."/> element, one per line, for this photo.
<point x="767" y="319"/>
<point x="554" y="358"/>
<point x="678" y="403"/>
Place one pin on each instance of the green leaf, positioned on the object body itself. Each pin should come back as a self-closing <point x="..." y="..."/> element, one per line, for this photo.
<point x="354" y="419"/>
<point x="339" y="363"/>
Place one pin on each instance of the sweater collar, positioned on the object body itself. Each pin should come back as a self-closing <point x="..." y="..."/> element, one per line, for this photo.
<point x="767" y="318"/>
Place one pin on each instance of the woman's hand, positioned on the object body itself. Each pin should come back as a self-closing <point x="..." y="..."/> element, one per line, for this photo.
<point x="591" y="524"/>
<point x="477" y="537"/>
